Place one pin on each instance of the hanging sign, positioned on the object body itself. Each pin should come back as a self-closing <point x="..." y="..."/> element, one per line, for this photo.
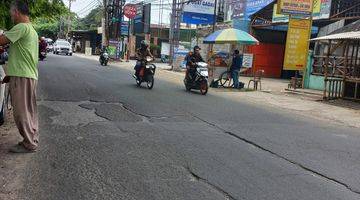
<point x="321" y="10"/>
<point x="248" y="60"/>
<point x="295" y="7"/>
<point x="297" y="44"/>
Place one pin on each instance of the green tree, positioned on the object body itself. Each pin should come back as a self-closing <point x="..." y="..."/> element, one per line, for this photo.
<point x="48" y="9"/>
<point x="47" y="28"/>
<point x="92" y="20"/>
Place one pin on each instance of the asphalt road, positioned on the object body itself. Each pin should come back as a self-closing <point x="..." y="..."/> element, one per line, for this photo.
<point x="104" y="138"/>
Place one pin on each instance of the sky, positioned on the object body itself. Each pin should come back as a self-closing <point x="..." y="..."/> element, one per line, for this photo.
<point x="83" y="7"/>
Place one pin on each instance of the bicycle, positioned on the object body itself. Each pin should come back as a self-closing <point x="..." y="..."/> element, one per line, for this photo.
<point x="225" y="79"/>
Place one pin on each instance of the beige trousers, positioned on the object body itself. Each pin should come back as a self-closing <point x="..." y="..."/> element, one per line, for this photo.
<point x="23" y="100"/>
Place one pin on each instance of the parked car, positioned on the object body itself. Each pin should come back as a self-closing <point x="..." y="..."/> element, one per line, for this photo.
<point x="62" y="47"/>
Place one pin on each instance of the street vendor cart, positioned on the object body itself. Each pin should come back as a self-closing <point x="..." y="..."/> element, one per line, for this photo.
<point x="219" y="66"/>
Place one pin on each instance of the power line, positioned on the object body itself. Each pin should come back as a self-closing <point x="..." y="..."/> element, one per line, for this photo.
<point x="89" y="9"/>
<point x="90" y="4"/>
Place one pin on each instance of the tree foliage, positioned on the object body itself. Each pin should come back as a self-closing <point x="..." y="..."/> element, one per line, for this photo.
<point x="48" y="9"/>
<point x="51" y="27"/>
<point x="92" y="20"/>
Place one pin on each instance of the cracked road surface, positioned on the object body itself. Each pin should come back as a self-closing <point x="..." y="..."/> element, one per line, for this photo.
<point x="104" y="138"/>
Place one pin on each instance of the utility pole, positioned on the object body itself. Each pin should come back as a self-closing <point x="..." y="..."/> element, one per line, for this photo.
<point x="117" y="16"/>
<point x="211" y="46"/>
<point x="69" y="20"/>
<point x="60" y="28"/>
<point x="177" y="8"/>
<point x="105" y="25"/>
<point x="214" y="23"/>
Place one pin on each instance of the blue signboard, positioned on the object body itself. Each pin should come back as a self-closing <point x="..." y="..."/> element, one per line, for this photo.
<point x="241" y="24"/>
<point x="125" y="28"/>
<point x="252" y="6"/>
<point x="199" y="12"/>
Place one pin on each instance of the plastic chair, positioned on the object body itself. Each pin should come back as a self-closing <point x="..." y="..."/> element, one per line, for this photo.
<point x="257" y="79"/>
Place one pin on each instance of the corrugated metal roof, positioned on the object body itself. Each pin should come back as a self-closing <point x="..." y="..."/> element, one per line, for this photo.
<point x="355" y="26"/>
<point x="354" y="35"/>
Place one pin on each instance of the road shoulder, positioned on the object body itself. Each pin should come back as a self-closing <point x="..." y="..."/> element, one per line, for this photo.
<point x="12" y="165"/>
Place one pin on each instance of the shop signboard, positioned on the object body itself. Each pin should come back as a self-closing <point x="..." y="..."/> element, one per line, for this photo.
<point x="248" y="60"/>
<point x="295" y="7"/>
<point x="252" y="6"/>
<point x="165" y="48"/>
<point x="279" y="17"/>
<point x="325" y="7"/>
<point x="199" y="12"/>
<point x="321" y="10"/>
<point x="147" y="18"/>
<point x="297" y="44"/>
<point x="113" y="48"/>
<point x="138" y="19"/>
<point x="179" y="58"/>
<point x="124" y="28"/>
<point x="238" y="8"/>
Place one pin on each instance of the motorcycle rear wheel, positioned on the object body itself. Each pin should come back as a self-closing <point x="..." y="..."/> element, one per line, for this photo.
<point x="150" y="82"/>
<point x="138" y="82"/>
<point x="187" y="87"/>
<point x="204" y="88"/>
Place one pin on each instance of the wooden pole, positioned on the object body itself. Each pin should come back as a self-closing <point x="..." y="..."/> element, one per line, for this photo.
<point x="128" y="42"/>
<point x="326" y="69"/>
<point x="345" y="65"/>
<point x="69" y="20"/>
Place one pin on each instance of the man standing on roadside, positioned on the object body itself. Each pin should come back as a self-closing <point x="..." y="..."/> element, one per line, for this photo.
<point x="235" y="67"/>
<point x="22" y="75"/>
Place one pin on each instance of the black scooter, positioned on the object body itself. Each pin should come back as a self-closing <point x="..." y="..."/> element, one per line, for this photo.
<point x="104" y="58"/>
<point x="200" y="81"/>
<point x="146" y="73"/>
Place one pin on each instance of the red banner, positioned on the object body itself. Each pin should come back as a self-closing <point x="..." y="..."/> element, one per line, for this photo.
<point x="130" y="11"/>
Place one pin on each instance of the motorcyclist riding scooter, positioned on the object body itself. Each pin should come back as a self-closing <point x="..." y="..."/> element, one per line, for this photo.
<point x="104" y="56"/>
<point x="42" y="48"/>
<point x="144" y="71"/>
<point x="141" y="54"/>
<point x="197" y="73"/>
<point x="191" y="59"/>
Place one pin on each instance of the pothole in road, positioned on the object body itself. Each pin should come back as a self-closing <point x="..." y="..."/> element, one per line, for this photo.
<point x="81" y="113"/>
<point x="114" y="112"/>
<point x="70" y="113"/>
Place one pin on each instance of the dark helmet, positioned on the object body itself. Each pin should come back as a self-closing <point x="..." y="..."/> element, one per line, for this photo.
<point x="196" y="48"/>
<point x="144" y="44"/>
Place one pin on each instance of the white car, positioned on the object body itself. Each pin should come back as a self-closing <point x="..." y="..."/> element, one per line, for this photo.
<point x="62" y="46"/>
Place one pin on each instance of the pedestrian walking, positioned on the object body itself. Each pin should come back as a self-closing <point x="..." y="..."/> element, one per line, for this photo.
<point x="22" y="74"/>
<point x="235" y="67"/>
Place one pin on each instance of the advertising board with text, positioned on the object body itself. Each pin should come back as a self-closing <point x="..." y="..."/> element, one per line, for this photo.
<point x="321" y="10"/>
<point x="295" y="7"/>
<point x="297" y="44"/>
<point x="199" y="12"/>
